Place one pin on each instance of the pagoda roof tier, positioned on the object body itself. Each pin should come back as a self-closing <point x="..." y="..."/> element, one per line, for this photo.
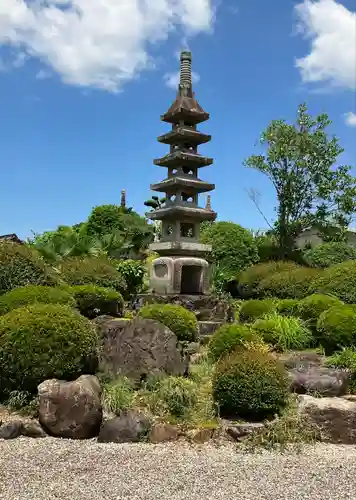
<point x="187" y="109"/>
<point x="171" y="184"/>
<point x="177" y="248"/>
<point x="183" y="158"/>
<point x="182" y="212"/>
<point x="184" y="134"/>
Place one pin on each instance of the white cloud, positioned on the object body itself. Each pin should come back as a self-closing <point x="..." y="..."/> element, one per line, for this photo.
<point x="331" y="28"/>
<point x="350" y="119"/>
<point x="172" y="79"/>
<point x="98" y="43"/>
<point x="43" y="74"/>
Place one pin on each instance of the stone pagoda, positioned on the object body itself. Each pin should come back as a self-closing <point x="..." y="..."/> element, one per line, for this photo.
<point x="181" y="267"/>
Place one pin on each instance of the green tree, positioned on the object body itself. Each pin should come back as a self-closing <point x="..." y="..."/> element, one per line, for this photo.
<point x="134" y="229"/>
<point x="310" y="190"/>
<point x="155" y="203"/>
<point x="233" y="248"/>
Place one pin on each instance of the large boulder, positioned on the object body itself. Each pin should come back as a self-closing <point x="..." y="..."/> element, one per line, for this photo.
<point x="137" y="348"/>
<point x="319" y="380"/>
<point x="129" y="427"/>
<point x="71" y="409"/>
<point x="335" y="417"/>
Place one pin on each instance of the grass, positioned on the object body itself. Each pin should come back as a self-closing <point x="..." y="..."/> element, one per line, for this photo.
<point x="24" y="403"/>
<point x="118" y="395"/>
<point x="187" y="402"/>
<point x="291" y="430"/>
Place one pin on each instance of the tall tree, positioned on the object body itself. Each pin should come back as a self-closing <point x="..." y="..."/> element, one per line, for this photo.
<point x="300" y="162"/>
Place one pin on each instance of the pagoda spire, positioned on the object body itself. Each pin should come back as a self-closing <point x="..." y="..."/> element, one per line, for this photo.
<point x="185" y="80"/>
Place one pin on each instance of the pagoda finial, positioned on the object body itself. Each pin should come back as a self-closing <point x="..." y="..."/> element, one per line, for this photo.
<point x="185" y="81"/>
<point x="123" y="198"/>
<point x="208" y="203"/>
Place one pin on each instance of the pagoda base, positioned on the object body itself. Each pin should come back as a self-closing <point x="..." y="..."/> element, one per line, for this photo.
<point x="172" y="275"/>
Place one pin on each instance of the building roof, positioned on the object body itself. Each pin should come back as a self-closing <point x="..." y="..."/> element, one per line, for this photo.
<point x="11" y="237"/>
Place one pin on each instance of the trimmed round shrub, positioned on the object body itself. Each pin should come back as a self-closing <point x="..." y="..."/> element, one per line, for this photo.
<point x="229" y="337"/>
<point x="251" y="277"/>
<point x="310" y="308"/>
<point x="43" y="341"/>
<point x="21" y="266"/>
<point x="288" y="307"/>
<point x="250" y="384"/>
<point x="254" y="309"/>
<point x="339" y="281"/>
<point x="292" y="284"/>
<point x="93" y="301"/>
<point x="33" y="294"/>
<point x="283" y="332"/>
<point x="336" y="328"/>
<point x="329" y="254"/>
<point x="178" y="319"/>
<point x="100" y="271"/>
<point x="233" y="247"/>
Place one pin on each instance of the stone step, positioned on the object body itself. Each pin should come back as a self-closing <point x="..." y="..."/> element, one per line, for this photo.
<point x="207" y="328"/>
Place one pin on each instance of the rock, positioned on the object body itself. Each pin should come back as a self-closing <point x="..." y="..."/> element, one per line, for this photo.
<point x="71" y="409"/>
<point x="33" y="430"/>
<point x="136" y="348"/>
<point x="239" y="432"/>
<point x="129" y="427"/>
<point x="320" y="380"/>
<point x="161" y="433"/>
<point x="201" y="436"/>
<point x="301" y="360"/>
<point x="335" y="417"/>
<point x="12" y="430"/>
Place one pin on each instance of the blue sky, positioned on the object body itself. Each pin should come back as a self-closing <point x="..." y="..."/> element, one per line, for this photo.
<point x="83" y="84"/>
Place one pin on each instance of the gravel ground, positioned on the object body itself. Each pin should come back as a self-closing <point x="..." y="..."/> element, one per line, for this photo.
<point x="46" y="469"/>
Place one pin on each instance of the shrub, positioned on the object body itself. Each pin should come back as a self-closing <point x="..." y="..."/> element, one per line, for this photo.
<point x="329" y="254"/>
<point x="32" y="294"/>
<point x="118" y="395"/>
<point x="178" y="319"/>
<point x="99" y="271"/>
<point x="229" y="337"/>
<point x="288" y="307"/>
<point x="233" y="247"/>
<point x="177" y="395"/>
<point x="292" y="284"/>
<point x="310" y="308"/>
<point x="93" y="301"/>
<point x="267" y="247"/>
<point x="21" y="266"/>
<point x="254" y="309"/>
<point x="283" y="332"/>
<point x="42" y="341"/>
<point x="250" y="384"/>
<point x="133" y="272"/>
<point x="251" y="277"/>
<point x="339" y="280"/>
<point x="345" y="359"/>
<point x="336" y="328"/>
